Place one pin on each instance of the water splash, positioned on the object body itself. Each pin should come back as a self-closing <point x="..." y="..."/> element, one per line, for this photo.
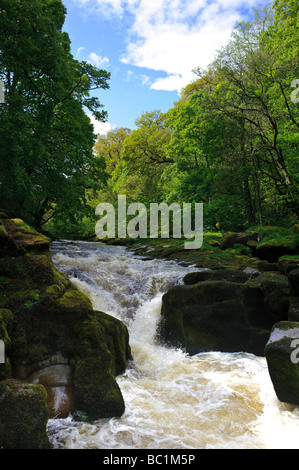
<point x="173" y="401"/>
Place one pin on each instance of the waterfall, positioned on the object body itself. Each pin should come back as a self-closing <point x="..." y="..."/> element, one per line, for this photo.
<point x="173" y="401"/>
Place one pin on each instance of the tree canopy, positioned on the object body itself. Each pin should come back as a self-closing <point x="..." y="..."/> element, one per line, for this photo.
<point x="231" y="140"/>
<point x="47" y="161"/>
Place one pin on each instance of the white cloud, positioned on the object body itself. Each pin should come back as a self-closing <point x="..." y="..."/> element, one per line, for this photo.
<point x="170" y="83"/>
<point x="97" y="60"/>
<point x="138" y="78"/>
<point x="100" y="127"/>
<point x="174" y="36"/>
<point x="79" y="50"/>
<point x="104" y="7"/>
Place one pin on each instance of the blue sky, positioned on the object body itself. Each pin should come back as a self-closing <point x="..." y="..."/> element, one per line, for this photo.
<point x="150" y="47"/>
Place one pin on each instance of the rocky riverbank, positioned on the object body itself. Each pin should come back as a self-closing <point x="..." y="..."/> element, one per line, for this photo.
<point x="61" y="356"/>
<point x="247" y="299"/>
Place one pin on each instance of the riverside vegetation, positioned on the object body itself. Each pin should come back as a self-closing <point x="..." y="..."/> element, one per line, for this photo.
<point x="54" y="341"/>
<point x="62" y="357"/>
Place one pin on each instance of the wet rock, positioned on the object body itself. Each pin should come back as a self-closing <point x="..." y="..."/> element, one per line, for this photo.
<point x="294" y="281"/>
<point x="99" y="397"/>
<point x="199" y="276"/>
<point x="23" y="416"/>
<point x="231" y="311"/>
<point x="293" y="314"/>
<point x="230" y="239"/>
<point x="275" y="290"/>
<point x="286" y="264"/>
<point x="58" y="382"/>
<point x="230" y="275"/>
<point x="264" y="266"/>
<point x="214" y="316"/>
<point x="282" y="355"/>
<point x="55" y="330"/>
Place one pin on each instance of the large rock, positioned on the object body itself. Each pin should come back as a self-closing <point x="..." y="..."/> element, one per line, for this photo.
<point x="230" y="239"/>
<point x="52" y="334"/>
<point x="227" y="310"/>
<point x="231" y="275"/>
<point x="275" y="242"/>
<point x="214" y="316"/>
<point x="23" y="416"/>
<point x="282" y="355"/>
<point x="275" y="290"/>
<point x="294" y="281"/>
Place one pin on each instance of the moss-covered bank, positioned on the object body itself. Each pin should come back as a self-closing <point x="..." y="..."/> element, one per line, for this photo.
<point x="51" y="333"/>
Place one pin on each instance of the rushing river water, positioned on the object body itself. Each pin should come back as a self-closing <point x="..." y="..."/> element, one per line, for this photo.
<point x="173" y="401"/>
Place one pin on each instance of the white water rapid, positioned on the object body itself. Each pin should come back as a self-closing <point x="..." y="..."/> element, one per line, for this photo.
<point x="173" y="401"/>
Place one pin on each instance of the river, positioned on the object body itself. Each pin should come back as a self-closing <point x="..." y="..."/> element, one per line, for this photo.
<point x="211" y="400"/>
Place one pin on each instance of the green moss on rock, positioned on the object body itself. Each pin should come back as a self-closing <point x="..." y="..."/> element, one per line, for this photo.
<point x="23" y="416"/>
<point x="97" y="393"/>
<point x="52" y="318"/>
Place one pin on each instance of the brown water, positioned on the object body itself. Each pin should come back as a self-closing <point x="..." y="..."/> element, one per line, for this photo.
<point x="173" y="401"/>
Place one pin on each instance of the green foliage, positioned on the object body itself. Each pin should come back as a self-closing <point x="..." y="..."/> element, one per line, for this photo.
<point x="231" y="141"/>
<point x="47" y="162"/>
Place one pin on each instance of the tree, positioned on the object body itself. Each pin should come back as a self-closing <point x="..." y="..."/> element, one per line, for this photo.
<point x="255" y="85"/>
<point x="47" y="162"/>
<point x="143" y="158"/>
<point x="234" y="131"/>
<point x="110" y="145"/>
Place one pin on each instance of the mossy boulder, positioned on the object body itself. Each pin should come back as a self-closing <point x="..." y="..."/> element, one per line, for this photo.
<point x="293" y="314"/>
<point x="275" y="290"/>
<point x="230" y="239"/>
<point x="294" y="281"/>
<point x="264" y="242"/>
<point x="99" y="397"/>
<point x="224" y="309"/>
<point x="282" y="355"/>
<point x="53" y="328"/>
<point x="214" y="315"/>
<point x="286" y="264"/>
<point x="231" y="275"/>
<point x="295" y="228"/>
<point x="23" y="416"/>
<point x="197" y="276"/>
<point x="275" y="242"/>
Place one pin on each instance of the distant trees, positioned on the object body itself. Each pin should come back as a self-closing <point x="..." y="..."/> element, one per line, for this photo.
<point x="139" y="160"/>
<point x="231" y="141"/>
<point x="47" y="161"/>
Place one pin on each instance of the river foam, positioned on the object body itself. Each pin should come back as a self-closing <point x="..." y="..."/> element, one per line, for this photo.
<point x="173" y="401"/>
